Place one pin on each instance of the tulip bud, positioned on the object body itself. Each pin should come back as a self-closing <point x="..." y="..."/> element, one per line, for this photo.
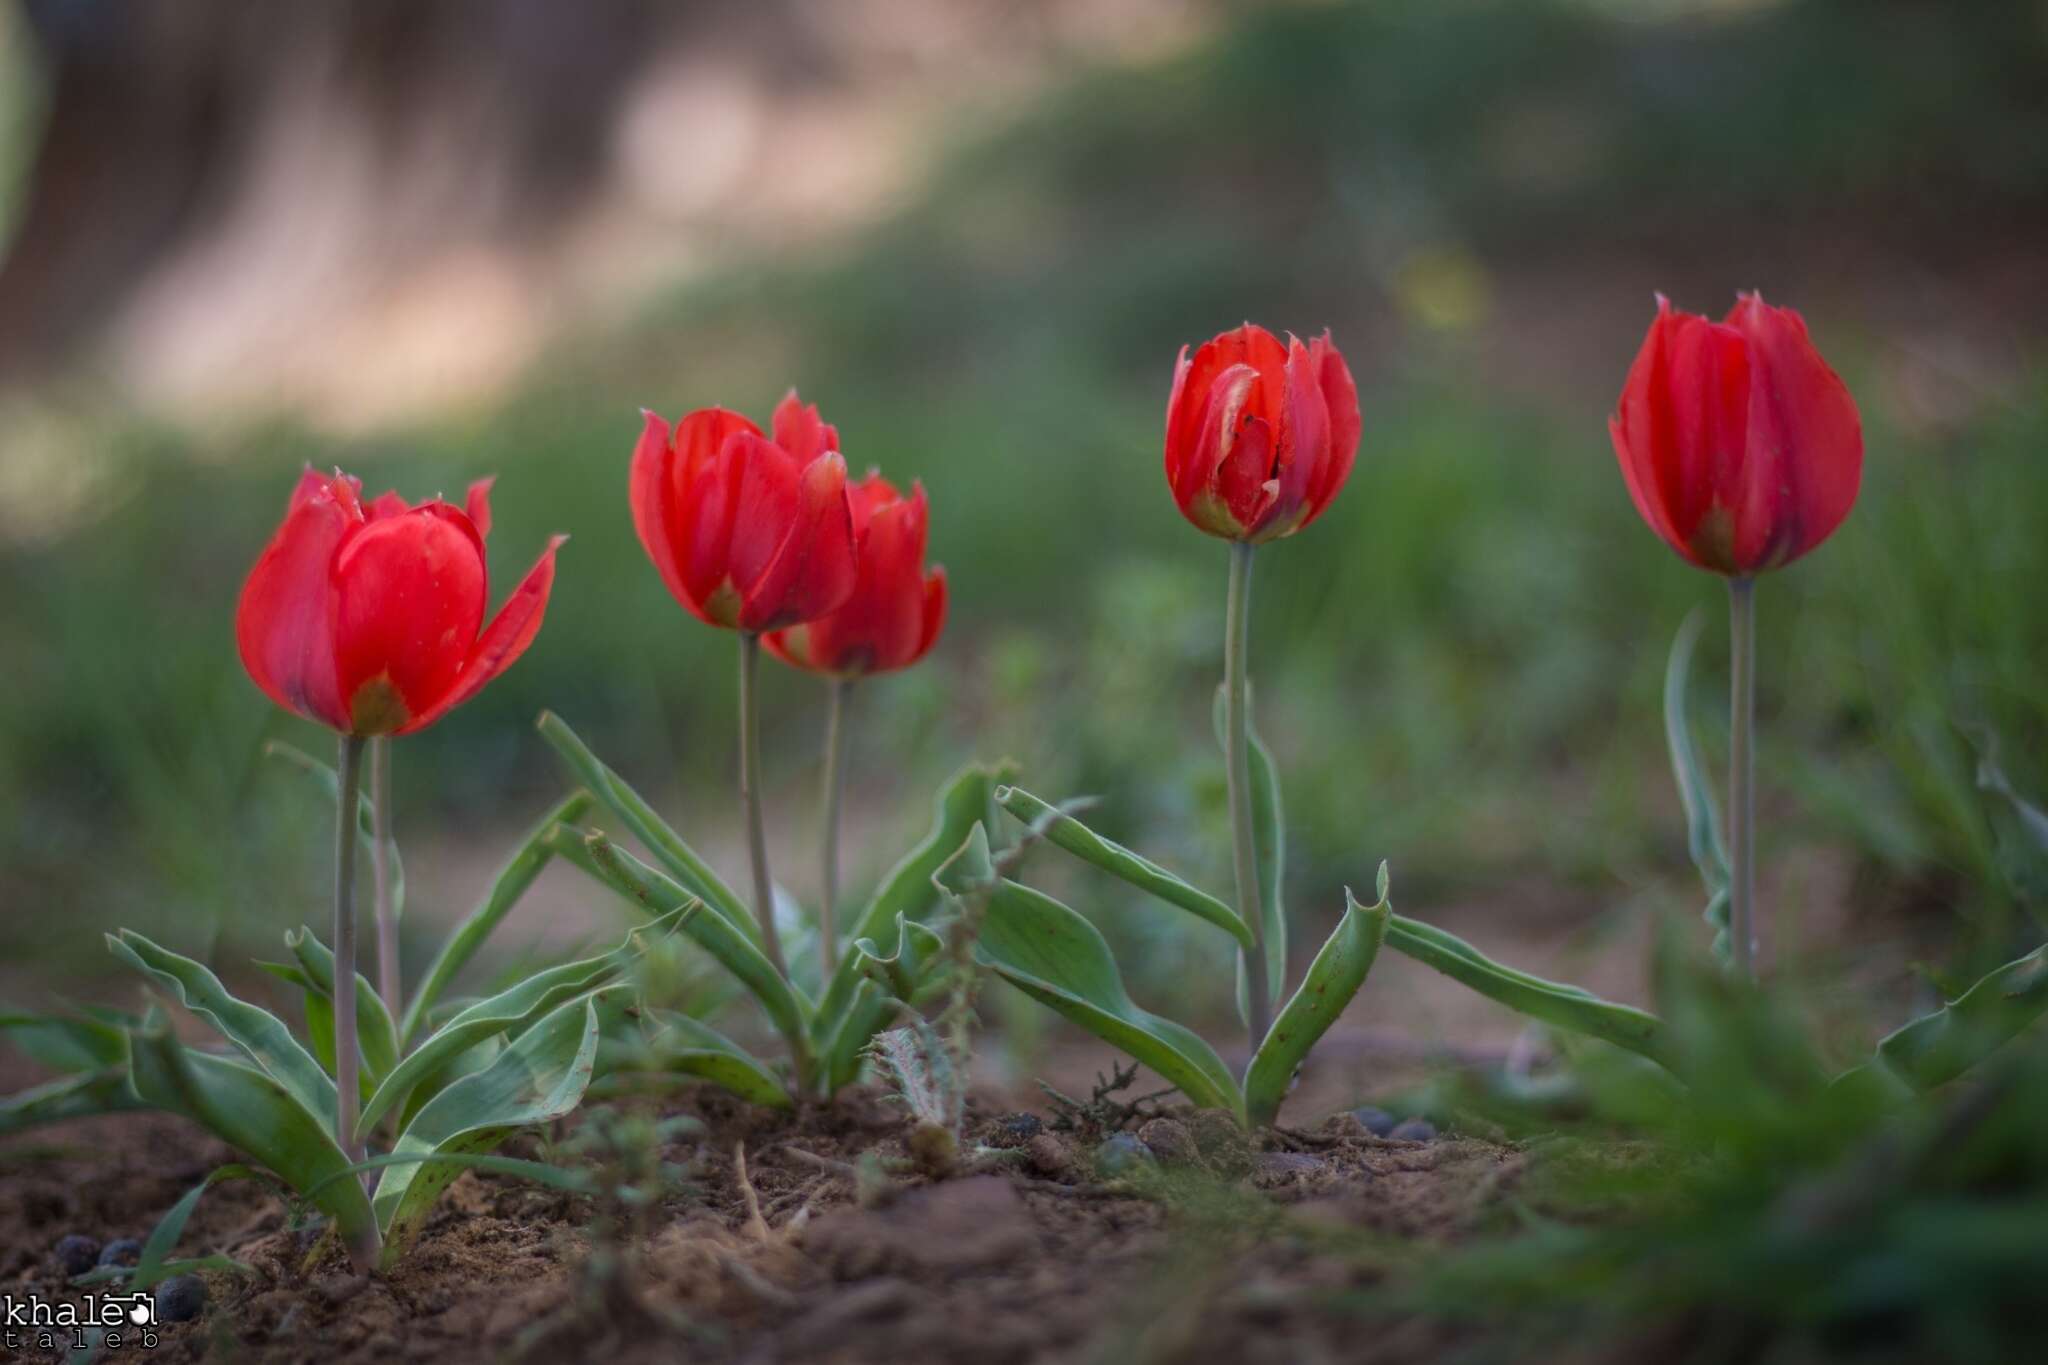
<point x="1259" y="436"/>
<point x="896" y="610"/>
<point x="1741" y="448"/>
<point x="366" y="619"/>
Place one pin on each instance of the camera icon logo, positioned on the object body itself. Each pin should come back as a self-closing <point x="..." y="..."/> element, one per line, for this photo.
<point x="139" y="1308"/>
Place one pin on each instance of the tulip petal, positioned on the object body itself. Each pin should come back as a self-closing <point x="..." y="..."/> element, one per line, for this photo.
<point x="704" y="510"/>
<point x="648" y="494"/>
<point x="1340" y="401"/>
<point x="1680" y="433"/>
<point x="283" y="626"/>
<point x="408" y="598"/>
<point x="934" y="612"/>
<point x="799" y="430"/>
<point x="812" y="572"/>
<point x="477" y="503"/>
<point x="1804" y="438"/>
<point x="1301" y="445"/>
<point x="502" y="642"/>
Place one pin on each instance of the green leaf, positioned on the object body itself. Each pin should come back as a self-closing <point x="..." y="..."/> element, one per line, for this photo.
<point x="906" y="972"/>
<point x="617" y="796"/>
<point x="1938" y="1047"/>
<point x="257" y="1032"/>
<point x="1333" y="978"/>
<point x="518" y="874"/>
<point x="189" y="1265"/>
<point x="541" y="1076"/>
<point x="512" y="1010"/>
<point x="1059" y="959"/>
<point x="906" y="893"/>
<point x="66" y="1042"/>
<point x="682" y="1046"/>
<point x="655" y="893"/>
<point x="1269" y="851"/>
<point x="154" y="1265"/>
<point x="366" y="811"/>
<point x="250" y="1111"/>
<point x="1551" y="1002"/>
<point x="376" y="1035"/>
<point x="80" y="1095"/>
<point x="1084" y="843"/>
<point x="539" y="1172"/>
<point x="1702" y="819"/>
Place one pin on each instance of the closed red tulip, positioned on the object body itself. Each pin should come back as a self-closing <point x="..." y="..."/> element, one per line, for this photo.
<point x="1260" y="436"/>
<point x="749" y="532"/>
<point x="1741" y="448"/>
<point x="367" y="618"/>
<point x="897" y="608"/>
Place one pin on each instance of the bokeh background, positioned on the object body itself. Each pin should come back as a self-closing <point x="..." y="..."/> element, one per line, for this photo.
<point x="432" y="241"/>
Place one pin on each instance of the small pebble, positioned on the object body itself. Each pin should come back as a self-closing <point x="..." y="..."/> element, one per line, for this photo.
<point x="180" y="1298"/>
<point x="1414" y="1130"/>
<point x="120" y="1251"/>
<point x="1122" y="1154"/>
<point x="1017" y="1129"/>
<point x="1378" y="1122"/>
<point x="77" y="1254"/>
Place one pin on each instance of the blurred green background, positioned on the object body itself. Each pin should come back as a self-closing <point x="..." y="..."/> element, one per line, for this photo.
<point x="978" y="249"/>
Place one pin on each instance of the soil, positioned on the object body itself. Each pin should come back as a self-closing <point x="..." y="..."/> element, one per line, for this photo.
<point x="1220" y="1249"/>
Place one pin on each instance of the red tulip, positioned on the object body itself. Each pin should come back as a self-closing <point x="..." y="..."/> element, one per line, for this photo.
<point x="366" y="618"/>
<point x="1740" y="446"/>
<point x="1259" y="436"/>
<point x="749" y="533"/>
<point x="896" y="610"/>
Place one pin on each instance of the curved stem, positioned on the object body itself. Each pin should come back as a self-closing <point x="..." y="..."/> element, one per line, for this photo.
<point x="750" y="798"/>
<point x="347" y="1086"/>
<point x="1237" y="766"/>
<point x="389" y="981"/>
<point x="835" y="791"/>
<point x="1742" y="774"/>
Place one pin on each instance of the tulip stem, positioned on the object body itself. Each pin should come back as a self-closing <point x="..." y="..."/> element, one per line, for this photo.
<point x="347" y="1088"/>
<point x="390" y="984"/>
<point x="1742" y="774"/>
<point x="1237" y="768"/>
<point x="750" y="797"/>
<point x="840" y="691"/>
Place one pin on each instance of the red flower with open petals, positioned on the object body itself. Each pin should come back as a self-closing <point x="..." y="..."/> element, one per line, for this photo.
<point x="1260" y="436"/>
<point x="366" y="618"/>
<point x="749" y="533"/>
<point x="896" y="610"/>
<point x="1741" y="448"/>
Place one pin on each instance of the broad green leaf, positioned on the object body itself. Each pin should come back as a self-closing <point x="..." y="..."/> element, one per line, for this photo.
<point x="655" y="893"/>
<point x="539" y="1172"/>
<point x="1084" y="843"/>
<point x="468" y="936"/>
<point x="376" y="1035"/>
<point x="1938" y="1047"/>
<point x="82" y="1094"/>
<point x="154" y="1265"/>
<point x="366" y="811"/>
<point x="617" y="796"/>
<point x="2019" y="828"/>
<point x="513" y="1010"/>
<point x="1333" y="978"/>
<point x="1059" y="959"/>
<point x="684" y="1047"/>
<point x="541" y="1076"/>
<point x="908" y="970"/>
<point x="906" y="893"/>
<point x="1702" y="820"/>
<point x="260" y="1034"/>
<point x="1551" y="1002"/>
<point x="1269" y="848"/>
<point x="250" y="1111"/>
<point x="65" y="1042"/>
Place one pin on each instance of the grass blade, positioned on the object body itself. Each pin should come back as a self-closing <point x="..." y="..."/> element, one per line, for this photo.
<point x="65" y="1042"/>
<point x="154" y="1264"/>
<point x="684" y="1047"/>
<point x="81" y="1095"/>
<point x="374" y="1029"/>
<point x="1333" y="979"/>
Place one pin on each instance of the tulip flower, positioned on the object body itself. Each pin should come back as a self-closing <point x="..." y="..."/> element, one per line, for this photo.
<point x="1260" y="438"/>
<point x="370" y="620"/>
<point x="890" y="622"/>
<point x="1743" y="450"/>
<point x="754" y="533"/>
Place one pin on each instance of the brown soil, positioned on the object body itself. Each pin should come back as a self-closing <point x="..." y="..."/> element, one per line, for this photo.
<point x="1224" y="1252"/>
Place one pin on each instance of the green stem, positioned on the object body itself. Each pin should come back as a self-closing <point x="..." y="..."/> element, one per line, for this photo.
<point x="347" y="1059"/>
<point x="1237" y="766"/>
<point x="1742" y="774"/>
<point x="389" y="981"/>
<point x="750" y="798"/>
<point x="835" y="791"/>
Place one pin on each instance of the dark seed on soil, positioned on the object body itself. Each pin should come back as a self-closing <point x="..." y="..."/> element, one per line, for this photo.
<point x="120" y="1251"/>
<point x="180" y="1298"/>
<point x="1414" y="1130"/>
<point x="1017" y="1129"/>
<point x="1122" y="1154"/>
<point x="1378" y="1122"/>
<point x="77" y="1254"/>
